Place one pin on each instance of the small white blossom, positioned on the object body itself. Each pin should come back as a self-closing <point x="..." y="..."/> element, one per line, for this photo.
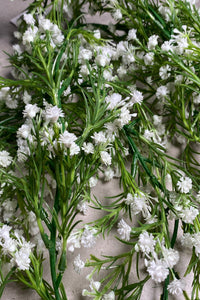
<point x="158" y="270"/>
<point x="109" y="296"/>
<point x="106" y="158"/>
<point x="88" y="238"/>
<point x="132" y="35"/>
<point x="176" y="287"/>
<point x="171" y="257"/>
<point x="188" y="214"/>
<point x="148" y="59"/>
<point x="162" y="92"/>
<point x="184" y="185"/>
<point x="28" y="18"/>
<point x="93" y="181"/>
<point x="30" y="110"/>
<point x="99" y="137"/>
<point x="114" y="100"/>
<point x="78" y="264"/>
<point x="88" y="148"/>
<point x="146" y="243"/>
<point x="74" y="149"/>
<point x="152" y="42"/>
<point x="137" y="97"/>
<point x="124" y="230"/>
<point x="5" y="159"/>
<point x="52" y="114"/>
<point x="117" y="15"/>
<point x="164" y="72"/>
<point x="67" y="139"/>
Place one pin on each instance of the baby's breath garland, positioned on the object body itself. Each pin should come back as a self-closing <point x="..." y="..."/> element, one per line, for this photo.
<point x="102" y="100"/>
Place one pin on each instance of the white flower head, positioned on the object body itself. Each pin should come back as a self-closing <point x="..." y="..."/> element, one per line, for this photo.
<point x="30" y="111"/>
<point x="113" y="100"/>
<point x="132" y="35"/>
<point x="137" y="97"/>
<point x="124" y="230"/>
<point x="74" y="149"/>
<point x="106" y="158"/>
<point x="171" y="257"/>
<point x="188" y="214"/>
<point x="99" y="137"/>
<point x="184" y="185"/>
<point x="5" y="159"/>
<point x="28" y="18"/>
<point x="67" y="139"/>
<point x="52" y="114"/>
<point x="176" y="287"/>
<point x="158" y="270"/>
<point x="152" y="42"/>
<point x="88" y="148"/>
<point x="109" y="296"/>
<point x="93" y="181"/>
<point x="146" y="243"/>
<point x="78" y="264"/>
<point x="88" y="238"/>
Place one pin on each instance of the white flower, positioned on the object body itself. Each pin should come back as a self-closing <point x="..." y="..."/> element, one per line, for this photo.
<point x="5" y="232"/>
<point x="171" y="257"/>
<point x="30" y="110"/>
<point x="108" y="174"/>
<point x="28" y="18"/>
<point x="67" y="139"/>
<point x="148" y="59"/>
<point x="26" y="97"/>
<point x="117" y="15"/>
<point x="146" y="243"/>
<point x="129" y="199"/>
<point x="132" y="35"/>
<point x="196" y="242"/>
<point x="78" y="264"/>
<point x="24" y="131"/>
<point x="140" y="204"/>
<point x="187" y="240"/>
<point x="95" y="285"/>
<point x="88" y="148"/>
<point x="164" y="71"/>
<point x="188" y="214"/>
<point x="5" y="158"/>
<point x="113" y="101"/>
<point x="162" y="92"/>
<point x="158" y="270"/>
<point x="166" y="46"/>
<point x="74" y="241"/>
<point x="88" y="239"/>
<point x="52" y="114"/>
<point x="125" y="117"/>
<point x="99" y="137"/>
<point x="110" y="296"/>
<point x="93" y="181"/>
<point x="82" y="207"/>
<point x="106" y="158"/>
<point x="176" y="287"/>
<point x="74" y="149"/>
<point x="102" y="60"/>
<point x="137" y="97"/>
<point x="22" y="259"/>
<point x="44" y="24"/>
<point x="124" y="230"/>
<point x="84" y="54"/>
<point x="29" y="35"/>
<point x="153" y="41"/>
<point x="184" y="185"/>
